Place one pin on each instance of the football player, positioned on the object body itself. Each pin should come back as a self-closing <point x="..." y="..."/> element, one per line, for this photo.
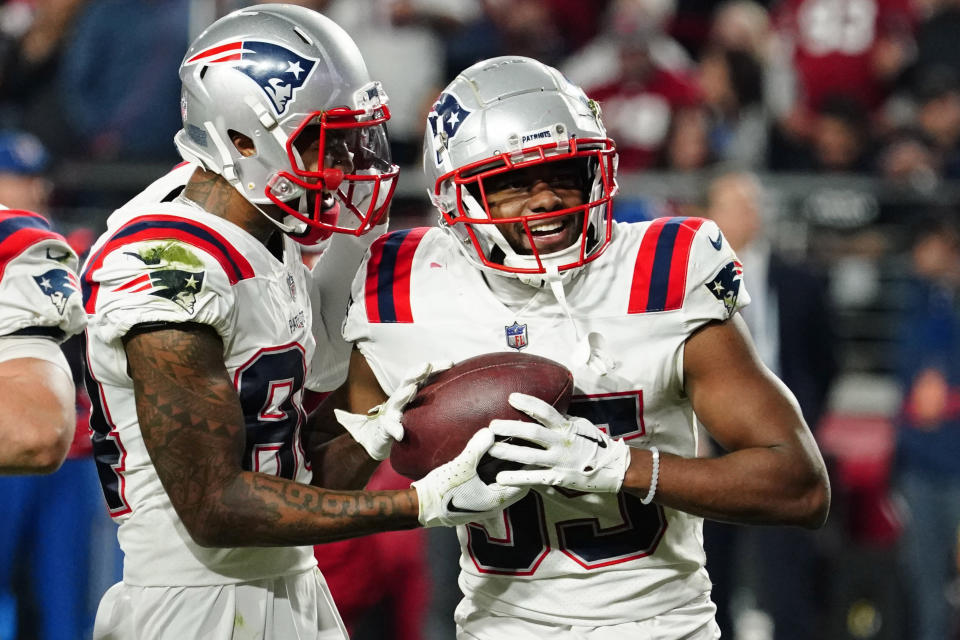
<point x="39" y="308"/>
<point x="203" y="337"/>
<point x="608" y="543"/>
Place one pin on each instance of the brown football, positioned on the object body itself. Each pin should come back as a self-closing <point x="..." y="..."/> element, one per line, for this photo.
<point x="455" y="403"/>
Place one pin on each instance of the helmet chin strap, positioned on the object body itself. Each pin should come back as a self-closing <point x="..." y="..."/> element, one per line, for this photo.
<point x="298" y="227"/>
<point x="539" y="280"/>
<point x="589" y="349"/>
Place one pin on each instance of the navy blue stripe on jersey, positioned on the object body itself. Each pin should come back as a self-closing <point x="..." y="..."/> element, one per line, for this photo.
<point x="390" y="250"/>
<point x="165" y="227"/>
<point x="225" y="251"/>
<point x="660" y="274"/>
<point x="17" y="223"/>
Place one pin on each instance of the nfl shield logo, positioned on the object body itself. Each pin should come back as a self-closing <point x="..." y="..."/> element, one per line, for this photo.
<point x="516" y="336"/>
<point x="291" y="283"/>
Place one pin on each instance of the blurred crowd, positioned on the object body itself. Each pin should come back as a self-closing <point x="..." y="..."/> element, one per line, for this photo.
<point x="732" y="89"/>
<point x="825" y="86"/>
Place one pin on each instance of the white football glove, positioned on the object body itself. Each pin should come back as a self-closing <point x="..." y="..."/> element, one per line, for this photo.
<point x="453" y="494"/>
<point x="576" y="454"/>
<point x="380" y="427"/>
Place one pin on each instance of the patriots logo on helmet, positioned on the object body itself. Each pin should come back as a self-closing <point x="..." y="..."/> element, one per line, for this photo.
<point x="445" y="119"/>
<point x="725" y="286"/>
<point x="58" y="285"/>
<point x="279" y="71"/>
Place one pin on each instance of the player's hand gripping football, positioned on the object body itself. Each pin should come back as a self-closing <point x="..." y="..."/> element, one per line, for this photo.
<point x="453" y="494"/>
<point x="380" y="427"/>
<point x="575" y="454"/>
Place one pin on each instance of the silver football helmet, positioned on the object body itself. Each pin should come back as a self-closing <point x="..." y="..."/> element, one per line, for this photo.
<point x="295" y="84"/>
<point x="515" y="114"/>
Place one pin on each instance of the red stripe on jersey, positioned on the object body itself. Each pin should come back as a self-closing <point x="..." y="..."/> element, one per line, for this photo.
<point x="401" y="280"/>
<point x="163" y="227"/>
<point x="677" y="288"/>
<point x="640" y="287"/>
<point x="387" y="287"/>
<point x="145" y="278"/>
<point x="20" y="239"/>
<point x="372" y="282"/>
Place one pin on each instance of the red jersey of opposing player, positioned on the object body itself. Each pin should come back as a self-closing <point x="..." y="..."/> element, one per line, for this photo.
<point x="844" y="46"/>
<point x="638" y="114"/>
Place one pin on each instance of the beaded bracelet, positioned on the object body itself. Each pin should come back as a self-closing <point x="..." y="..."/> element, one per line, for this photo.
<point x="654" y="476"/>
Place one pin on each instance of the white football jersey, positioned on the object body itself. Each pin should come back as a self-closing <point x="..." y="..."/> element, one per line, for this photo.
<point x="561" y="556"/>
<point x="39" y="290"/>
<point x="164" y="259"/>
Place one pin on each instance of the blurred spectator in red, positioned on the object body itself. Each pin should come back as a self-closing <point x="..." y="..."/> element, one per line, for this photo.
<point x="578" y="21"/>
<point x="928" y="443"/>
<point x="32" y="40"/>
<point x="853" y="48"/>
<point x="732" y="85"/>
<point x="57" y="539"/>
<point x="642" y="101"/>
<point x="380" y="582"/>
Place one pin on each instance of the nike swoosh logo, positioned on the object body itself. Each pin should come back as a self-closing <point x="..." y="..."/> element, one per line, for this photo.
<point x="718" y="242"/>
<point x="452" y="508"/>
<point x="57" y="258"/>
<point x="601" y="443"/>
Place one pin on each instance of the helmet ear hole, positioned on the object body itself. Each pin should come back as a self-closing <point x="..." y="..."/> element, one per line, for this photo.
<point x="244" y="144"/>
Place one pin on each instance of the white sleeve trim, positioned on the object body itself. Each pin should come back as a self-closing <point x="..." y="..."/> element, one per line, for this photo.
<point x="14" y="347"/>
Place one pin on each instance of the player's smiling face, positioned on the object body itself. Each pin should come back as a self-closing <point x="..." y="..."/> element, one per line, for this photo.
<point x="550" y="186"/>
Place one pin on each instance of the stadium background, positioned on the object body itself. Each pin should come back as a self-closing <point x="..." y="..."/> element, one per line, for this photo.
<point x="847" y="111"/>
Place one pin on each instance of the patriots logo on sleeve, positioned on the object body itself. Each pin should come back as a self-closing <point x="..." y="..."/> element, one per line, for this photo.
<point x="278" y="71"/>
<point x="58" y="285"/>
<point x="725" y="286"/>
<point x="178" y="285"/>
<point x="445" y="119"/>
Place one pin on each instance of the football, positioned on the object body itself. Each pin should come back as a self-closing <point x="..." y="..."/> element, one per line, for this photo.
<point x="455" y="403"/>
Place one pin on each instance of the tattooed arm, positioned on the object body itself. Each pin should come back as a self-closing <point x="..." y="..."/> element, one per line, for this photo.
<point x="193" y="428"/>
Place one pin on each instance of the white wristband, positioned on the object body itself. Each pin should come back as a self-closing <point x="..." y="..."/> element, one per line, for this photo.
<point x="654" y="476"/>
